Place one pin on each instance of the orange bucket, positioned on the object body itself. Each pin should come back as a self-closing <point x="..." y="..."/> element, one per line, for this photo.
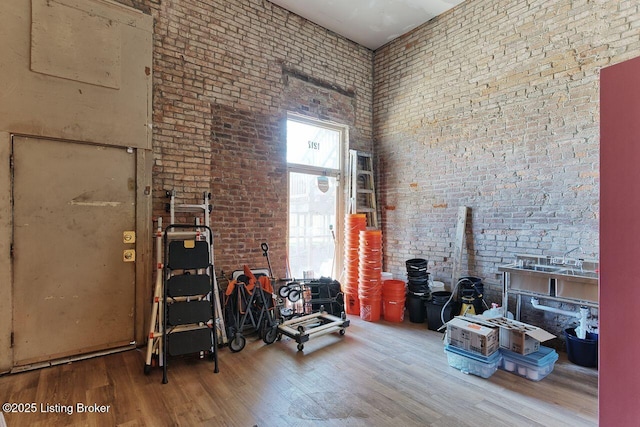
<point x="352" y="304"/>
<point x="369" y="273"/>
<point x="353" y="225"/>
<point x="370" y="309"/>
<point x="393" y="310"/>
<point x="393" y="286"/>
<point x="393" y="300"/>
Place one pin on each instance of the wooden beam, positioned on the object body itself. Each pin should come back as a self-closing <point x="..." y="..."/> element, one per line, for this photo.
<point x="458" y="244"/>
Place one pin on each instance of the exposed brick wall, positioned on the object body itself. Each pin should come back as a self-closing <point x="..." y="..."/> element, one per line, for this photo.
<point x="249" y="181"/>
<point x="225" y="73"/>
<point x="494" y="105"/>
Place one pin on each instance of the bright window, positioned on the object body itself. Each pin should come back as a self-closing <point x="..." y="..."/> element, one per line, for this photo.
<point x="315" y="197"/>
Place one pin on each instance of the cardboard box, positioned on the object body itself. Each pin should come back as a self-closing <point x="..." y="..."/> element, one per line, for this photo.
<point x="519" y="337"/>
<point x="472" y="336"/>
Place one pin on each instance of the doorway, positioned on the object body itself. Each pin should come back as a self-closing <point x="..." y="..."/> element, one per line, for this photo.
<point x="74" y="289"/>
<point x="315" y="160"/>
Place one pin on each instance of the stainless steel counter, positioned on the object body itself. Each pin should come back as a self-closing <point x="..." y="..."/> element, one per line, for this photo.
<point x="557" y="278"/>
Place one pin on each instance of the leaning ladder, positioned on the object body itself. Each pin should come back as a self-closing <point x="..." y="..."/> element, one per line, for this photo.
<point x="362" y="192"/>
<point x="154" y="343"/>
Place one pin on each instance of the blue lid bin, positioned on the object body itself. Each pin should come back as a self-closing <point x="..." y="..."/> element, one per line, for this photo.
<point x="472" y="363"/>
<point x="534" y="366"/>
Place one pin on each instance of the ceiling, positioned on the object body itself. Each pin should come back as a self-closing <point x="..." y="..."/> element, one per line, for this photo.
<point x="371" y="23"/>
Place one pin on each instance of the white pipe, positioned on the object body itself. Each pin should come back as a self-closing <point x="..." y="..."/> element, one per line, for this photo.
<point x="536" y="304"/>
<point x="581" y="330"/>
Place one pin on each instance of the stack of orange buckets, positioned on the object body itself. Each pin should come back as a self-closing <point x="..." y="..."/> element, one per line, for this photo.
<point x="370" y="275"/>
<point x="355" y="223"/>
<point x="393" y="300"/>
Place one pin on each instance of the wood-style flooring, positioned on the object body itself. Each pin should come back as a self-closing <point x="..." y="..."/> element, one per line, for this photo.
<point x="377" y="374"/>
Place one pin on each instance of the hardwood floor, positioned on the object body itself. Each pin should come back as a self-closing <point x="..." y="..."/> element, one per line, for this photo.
<point x="377" y="374"/>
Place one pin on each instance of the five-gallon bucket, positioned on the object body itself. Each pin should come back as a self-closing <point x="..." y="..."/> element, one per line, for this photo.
<point x="393" y="300"/>
<point x="434" y="309"/>
<point x="416" y="307"/>
<point x="370" y="309"/>
<point x="351" y="303"/>
<point x="393" y="311"/>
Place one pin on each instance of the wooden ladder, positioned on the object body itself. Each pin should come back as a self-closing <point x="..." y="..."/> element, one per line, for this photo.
<point x="362" y="192"/>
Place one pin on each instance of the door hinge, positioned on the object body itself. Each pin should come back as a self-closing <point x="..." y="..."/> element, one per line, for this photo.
<point x="11" y="251"/>
<point x="12" y="340"/>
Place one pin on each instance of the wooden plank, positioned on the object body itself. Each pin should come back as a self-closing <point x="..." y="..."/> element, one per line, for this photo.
<point x="458" y="244"/>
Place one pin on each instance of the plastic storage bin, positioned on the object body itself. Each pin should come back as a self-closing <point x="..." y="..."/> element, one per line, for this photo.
<point x="534" y="366"/>
<point x="473" y="363"/>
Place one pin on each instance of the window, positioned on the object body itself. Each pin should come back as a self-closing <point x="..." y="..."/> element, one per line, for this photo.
<point x="314" y="157"/>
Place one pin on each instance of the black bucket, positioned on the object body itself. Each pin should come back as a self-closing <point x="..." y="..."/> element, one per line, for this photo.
<point x="583" y="352"/>
<point x="423" y="279"/>
<point x="416" y="307"/>
<point x="440" y="297"/>
<point x="416" y="264"/>
<point x="418" y="277"/>
<point x="418" y="287"/>
<point x="434" y="310"/>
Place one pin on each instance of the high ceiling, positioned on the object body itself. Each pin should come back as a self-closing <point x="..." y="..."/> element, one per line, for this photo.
<point x="371" y="23"/>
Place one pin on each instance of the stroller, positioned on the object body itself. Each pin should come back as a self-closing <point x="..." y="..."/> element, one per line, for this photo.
<point x="249" y="308"/>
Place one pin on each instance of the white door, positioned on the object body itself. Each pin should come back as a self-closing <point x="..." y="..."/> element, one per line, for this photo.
<point x="314" y="157"/>
<point x="73" y="292"/>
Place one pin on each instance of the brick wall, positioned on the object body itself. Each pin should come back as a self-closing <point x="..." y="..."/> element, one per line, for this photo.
<point x="225" y="74"/>
<point x="494" y="106"/>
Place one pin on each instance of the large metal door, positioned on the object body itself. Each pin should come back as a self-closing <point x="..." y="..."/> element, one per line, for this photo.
<point x="73" y="291"/>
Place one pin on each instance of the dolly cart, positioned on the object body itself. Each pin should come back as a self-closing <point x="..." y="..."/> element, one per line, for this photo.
<point x="303" y="328"/>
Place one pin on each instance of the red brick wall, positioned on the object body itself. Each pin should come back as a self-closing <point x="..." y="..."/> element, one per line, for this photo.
<point x="225" y="73"/>
<point x="250" y="185"/>
<point x="494" y="106"/>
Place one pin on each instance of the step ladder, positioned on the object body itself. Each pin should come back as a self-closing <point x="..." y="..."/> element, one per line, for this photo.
<point x="155" y="345"/>
<point x="362" y="193"/>
<point x="202" y="217"/>
<point x="189" y="309"/>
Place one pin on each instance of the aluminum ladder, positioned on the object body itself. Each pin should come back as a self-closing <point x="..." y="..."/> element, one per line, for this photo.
<point x="362" y="192"/>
